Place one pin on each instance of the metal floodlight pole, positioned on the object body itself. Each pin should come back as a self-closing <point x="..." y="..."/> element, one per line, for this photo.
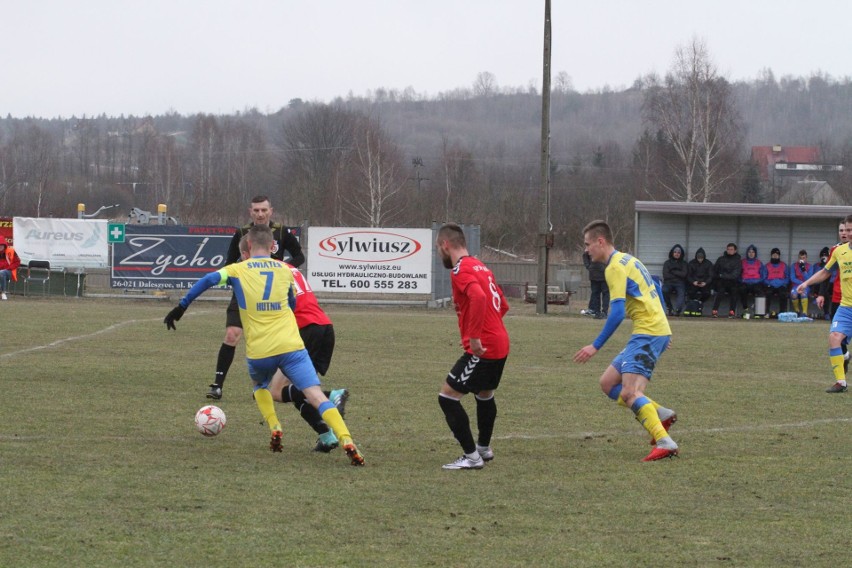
<point x="545" y="240"/>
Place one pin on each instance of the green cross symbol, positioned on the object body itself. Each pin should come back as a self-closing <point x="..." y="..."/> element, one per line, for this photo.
<point x="115" y="233"/>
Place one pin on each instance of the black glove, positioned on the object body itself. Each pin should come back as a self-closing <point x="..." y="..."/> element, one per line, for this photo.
<point x="174" y="315"/>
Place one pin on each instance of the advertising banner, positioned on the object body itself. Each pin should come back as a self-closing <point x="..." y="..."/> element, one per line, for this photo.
<point x="392" y="261"/>
<point x="6" y="229"/>
<point x="66" y="243"/>
<point x="167" y="256"/>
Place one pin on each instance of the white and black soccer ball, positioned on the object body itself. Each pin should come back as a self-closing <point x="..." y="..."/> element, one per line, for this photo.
<point x="210" y="420"/>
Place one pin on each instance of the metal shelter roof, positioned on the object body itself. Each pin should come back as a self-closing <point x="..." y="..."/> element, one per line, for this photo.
<point x="744" y="209"/>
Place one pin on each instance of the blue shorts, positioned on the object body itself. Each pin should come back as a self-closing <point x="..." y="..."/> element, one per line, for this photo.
<point x="842" y="321"/>
<point x="640" y="354"/>
<point x="296" y="365"/>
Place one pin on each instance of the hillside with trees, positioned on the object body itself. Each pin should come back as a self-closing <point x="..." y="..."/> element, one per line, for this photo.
<point x="392" y="158"/>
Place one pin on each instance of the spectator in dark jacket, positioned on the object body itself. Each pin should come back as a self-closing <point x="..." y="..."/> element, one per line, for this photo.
<point x="599" y="301"/>
<point x="699" y="277"/>
<point x="674" y="280"/>
<point x="726" y="278"/>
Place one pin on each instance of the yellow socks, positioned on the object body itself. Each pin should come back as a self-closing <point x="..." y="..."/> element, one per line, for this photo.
<point x="647" y="416"/>
<point x="835" y="356"/>
<point x="335" y="421"/>
<point x="263" y="399"/>
<point x="800" y="306"/>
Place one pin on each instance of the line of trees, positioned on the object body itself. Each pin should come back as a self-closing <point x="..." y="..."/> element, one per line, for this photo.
<point x="472" y="155"/>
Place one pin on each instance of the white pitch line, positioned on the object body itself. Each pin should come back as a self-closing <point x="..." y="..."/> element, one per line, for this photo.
<point x="520" y="436"/>
<point x="64" y="340"/>
<point x="749" y="428"/>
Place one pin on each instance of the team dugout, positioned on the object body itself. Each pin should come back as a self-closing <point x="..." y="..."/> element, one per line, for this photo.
<point x="711" y="226"/>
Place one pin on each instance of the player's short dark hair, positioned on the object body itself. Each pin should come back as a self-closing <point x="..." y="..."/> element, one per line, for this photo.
<point x="598" y="228"/>
<point x="260" y="235"/>
<point x="260" y="199"/>
<point x="847" y="220"/>
<point x="453" y="234"/>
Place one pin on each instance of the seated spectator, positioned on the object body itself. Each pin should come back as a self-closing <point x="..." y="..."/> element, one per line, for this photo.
<point x="9" y="263"/>
<point x="799" y="272"/>
<point x="699" y="277"/>
<point x="753" y="277"/>
<point x="777" y="283"/>
<point x="674" y="280"/>
<point x="726" y="278"/>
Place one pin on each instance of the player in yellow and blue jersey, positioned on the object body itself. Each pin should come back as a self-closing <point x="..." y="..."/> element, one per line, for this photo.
<point x="265" y="294"/>
<point x="840" y="262"/>
<point x="633" y="294"/>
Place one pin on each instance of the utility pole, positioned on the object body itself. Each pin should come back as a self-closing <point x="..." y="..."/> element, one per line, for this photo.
<point x="545" y="236"/>
<point x="417" y="163"/>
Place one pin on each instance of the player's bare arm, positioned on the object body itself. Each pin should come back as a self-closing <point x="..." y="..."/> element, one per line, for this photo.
<point x="820" y="276"/>
<point x="585" y="354"/>
<point x="476" y="347"/>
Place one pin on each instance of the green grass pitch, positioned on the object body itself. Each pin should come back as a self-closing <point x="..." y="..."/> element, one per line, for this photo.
<point x="100" y="463"/>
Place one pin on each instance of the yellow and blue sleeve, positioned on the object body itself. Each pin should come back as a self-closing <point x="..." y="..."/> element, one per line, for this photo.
<point x="613" y="320"/>
<point x="211" y="279"/>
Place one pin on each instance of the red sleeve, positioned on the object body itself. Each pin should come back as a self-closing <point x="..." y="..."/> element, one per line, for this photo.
<point x="478" y="303"/>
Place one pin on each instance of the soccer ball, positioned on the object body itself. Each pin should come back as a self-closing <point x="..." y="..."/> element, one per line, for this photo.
<point x="210" y="420"/>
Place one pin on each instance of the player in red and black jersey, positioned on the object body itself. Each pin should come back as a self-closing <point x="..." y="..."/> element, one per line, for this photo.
<point x="480" y="306"/>
<point x="285" y="247"/>
<point x="317" y="333"/>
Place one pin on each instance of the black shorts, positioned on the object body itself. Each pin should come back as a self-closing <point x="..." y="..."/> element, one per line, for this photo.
<point x="232" y="315"/>
<point x="319" y="341"/>
<point x="473" y="374"/>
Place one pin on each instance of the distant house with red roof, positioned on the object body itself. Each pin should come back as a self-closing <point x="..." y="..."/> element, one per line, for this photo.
<point x="795" y="175"/>
<point x="767" y="156"/>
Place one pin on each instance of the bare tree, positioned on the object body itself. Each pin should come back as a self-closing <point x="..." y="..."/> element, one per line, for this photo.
<point x="167" y="173"/>
<point x="694" y="109"/>
<point x="652" y="155"/>
<point x="461" y="177"/>
<point x="563" y="83"/>
<point x="29" y="168"/>
<point x="316" y="143"/>
<point x="242" y="162"/>
<point x="595" y="185"/>
<point x="721" y="140"/>
<point x="485" y="84"/>
<point x="205" y="149"/>
<point x="375" y="197"/>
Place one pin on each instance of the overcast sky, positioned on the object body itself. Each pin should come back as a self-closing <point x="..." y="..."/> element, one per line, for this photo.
<point x="63" y="58"/>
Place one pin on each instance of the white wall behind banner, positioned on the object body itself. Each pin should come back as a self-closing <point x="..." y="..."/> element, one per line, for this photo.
<point x="66" y="243"/>
<point x="347" y="259"/>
